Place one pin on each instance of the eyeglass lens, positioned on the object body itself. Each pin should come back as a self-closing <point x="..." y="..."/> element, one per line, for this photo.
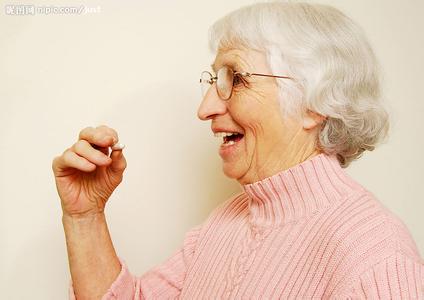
<point x="224" y="83"/>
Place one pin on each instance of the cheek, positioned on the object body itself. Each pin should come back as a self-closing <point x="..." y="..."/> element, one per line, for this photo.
<point x="248" y="111"/>
<point x="239" y="108"/>
<point x="259" y="115"/>
<point x="259" y="122"/>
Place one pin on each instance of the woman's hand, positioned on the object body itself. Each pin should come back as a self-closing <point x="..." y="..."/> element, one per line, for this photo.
<point x="85" y="174"/>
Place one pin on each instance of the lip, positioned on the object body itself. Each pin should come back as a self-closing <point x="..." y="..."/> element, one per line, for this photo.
<point x="227" y="151"/>
<point x="222" y="129"/>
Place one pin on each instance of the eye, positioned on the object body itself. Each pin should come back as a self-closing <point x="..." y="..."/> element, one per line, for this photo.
<point x="238" y="79"/>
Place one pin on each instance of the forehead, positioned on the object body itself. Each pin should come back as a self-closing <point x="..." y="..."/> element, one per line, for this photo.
<point x="236" y="59"/>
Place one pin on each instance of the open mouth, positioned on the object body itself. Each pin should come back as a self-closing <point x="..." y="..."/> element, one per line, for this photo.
<point x="232" y="139"/>
<point x="229" y="138"/>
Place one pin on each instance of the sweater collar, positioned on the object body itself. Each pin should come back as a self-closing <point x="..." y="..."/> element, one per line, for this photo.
<point x="299" y="191"/>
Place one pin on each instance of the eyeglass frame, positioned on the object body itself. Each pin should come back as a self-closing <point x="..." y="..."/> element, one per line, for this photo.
<point x="242" y="74"/>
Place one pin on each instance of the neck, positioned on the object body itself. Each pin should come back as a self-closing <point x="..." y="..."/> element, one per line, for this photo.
<point x="283" y="161"/>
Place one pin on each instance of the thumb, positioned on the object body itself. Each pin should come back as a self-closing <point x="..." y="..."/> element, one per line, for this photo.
<point x="119" y="162"/>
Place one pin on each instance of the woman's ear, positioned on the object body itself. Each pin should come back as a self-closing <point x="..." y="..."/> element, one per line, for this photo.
<point x="312" y="119"/>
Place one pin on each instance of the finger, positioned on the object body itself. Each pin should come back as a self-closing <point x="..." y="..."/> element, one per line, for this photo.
<point x="85" y="149"/>
<point x="119" y="163"/>
<point x="104" y="150"/>
<point x="70" y="159"/>
<point x="110" y="131"/>
<point x="101" y="136"/>
<point x="118" y="146"/>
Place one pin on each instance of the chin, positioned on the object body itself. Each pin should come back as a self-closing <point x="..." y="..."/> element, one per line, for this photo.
<point x="231" y="171"/>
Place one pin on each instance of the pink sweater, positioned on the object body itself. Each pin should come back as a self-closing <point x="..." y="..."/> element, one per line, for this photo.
<point x="309" y="232"/>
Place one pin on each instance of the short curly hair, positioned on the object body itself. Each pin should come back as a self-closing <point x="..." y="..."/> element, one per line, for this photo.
<point x="338" y="75"/>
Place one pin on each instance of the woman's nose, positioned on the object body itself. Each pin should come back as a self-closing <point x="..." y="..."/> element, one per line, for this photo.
<point x="212" y="105"/>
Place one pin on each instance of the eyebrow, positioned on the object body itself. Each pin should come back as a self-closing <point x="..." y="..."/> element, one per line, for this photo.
<point x="233" y="65"/>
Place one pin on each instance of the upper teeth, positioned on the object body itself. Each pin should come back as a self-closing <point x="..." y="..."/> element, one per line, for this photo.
<point x="224" y="134"/>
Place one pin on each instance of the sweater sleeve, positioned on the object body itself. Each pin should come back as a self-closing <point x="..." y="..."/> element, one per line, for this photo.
<point x="164" y="281"/>
<point x="397" y="277"/>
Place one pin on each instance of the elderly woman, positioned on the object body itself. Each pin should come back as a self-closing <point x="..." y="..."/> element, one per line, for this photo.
<point x="294" y="95"/>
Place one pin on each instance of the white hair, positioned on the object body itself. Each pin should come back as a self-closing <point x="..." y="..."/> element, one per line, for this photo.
<point x="337" y="74"/>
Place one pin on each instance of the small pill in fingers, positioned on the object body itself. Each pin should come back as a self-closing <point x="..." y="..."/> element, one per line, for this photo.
<point x="118" y="146"/>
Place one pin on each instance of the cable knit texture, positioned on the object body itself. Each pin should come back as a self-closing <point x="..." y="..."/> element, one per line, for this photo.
<point x="309" y="232"/>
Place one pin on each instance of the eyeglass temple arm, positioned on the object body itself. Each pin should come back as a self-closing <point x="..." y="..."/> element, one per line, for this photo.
<point x="266" y="75"/>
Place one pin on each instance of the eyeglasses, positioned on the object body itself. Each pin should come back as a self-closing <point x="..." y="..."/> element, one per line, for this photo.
<point x="226" y="79"/>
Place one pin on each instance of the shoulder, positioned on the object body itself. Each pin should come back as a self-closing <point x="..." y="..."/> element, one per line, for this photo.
<point x="398" y="276"/>
<point x="388" y="227"/>
<point x="371" y="236"/>
<point x="362" y="219"/>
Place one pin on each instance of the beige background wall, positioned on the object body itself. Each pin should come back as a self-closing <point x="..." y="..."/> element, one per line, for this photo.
<point x="134" y="65"/>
